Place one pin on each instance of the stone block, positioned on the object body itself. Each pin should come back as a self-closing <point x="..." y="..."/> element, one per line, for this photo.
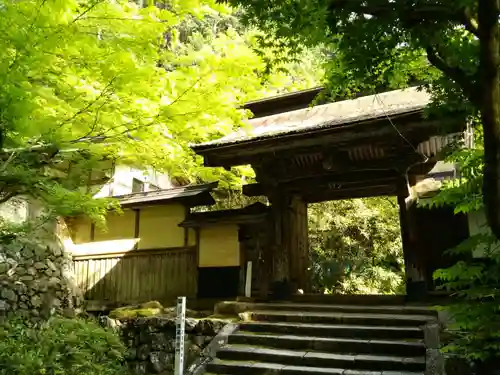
<point x="434" y="362"/>
<point x="209" y="327"/>
<point x="40" y="266"/>
<point x="431" y="336"/>
<point x="160" y="341"/>
<point x="9" y="295"/>
<point x="139" y="368"/>
<point x="161" y="361"/>
<point x="143" y="352"/>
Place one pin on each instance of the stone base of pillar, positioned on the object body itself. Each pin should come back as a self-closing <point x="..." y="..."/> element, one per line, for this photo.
<point x="416" y="290"/>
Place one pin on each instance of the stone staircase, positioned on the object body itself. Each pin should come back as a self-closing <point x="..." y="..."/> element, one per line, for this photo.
<point x="310" y="339"/>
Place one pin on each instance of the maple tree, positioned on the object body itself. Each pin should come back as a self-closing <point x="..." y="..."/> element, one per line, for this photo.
<point x="87" y="81"/>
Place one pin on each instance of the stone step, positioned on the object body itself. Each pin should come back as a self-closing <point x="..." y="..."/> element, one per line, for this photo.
<point x="232" y="307"/>
<point x="329" y="344"/>
<point x="337" y="318"/>
<point x="334" y="330"/>
<point x="431" y="298"/>
<point x="218" y="366"/>
<point x="341" y="299"/>
<point x="321" y="359"/>
<point x="344" y="299"/>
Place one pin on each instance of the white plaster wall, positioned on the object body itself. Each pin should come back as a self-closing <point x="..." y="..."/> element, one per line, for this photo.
<point x="477" y="224"/>
<point x="121" y="182"/>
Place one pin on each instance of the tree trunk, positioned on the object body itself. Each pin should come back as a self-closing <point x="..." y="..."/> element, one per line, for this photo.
<point x="489" y="89"/>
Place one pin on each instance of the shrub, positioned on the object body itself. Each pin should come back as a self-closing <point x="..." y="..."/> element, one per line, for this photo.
<point x="474" y="328"/>
<point x="372" y="280"/>
<point x="59" y="347"/>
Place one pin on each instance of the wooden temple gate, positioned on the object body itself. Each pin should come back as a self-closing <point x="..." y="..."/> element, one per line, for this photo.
<point x="378" y="145"/>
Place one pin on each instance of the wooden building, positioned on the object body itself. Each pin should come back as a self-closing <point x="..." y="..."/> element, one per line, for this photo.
<point x="222" y="271"/>
<point x="156" y="250"/>
<point x="370" y="146"/>
<point x="160" y="248"/>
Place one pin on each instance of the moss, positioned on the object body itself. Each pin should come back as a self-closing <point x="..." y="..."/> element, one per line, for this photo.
<point x="152" y="305"/>
<point x="151" y="308"/>
<point x="226" y="318"/>
<point x="122" y="313"/>
<point x="148" y="312"/>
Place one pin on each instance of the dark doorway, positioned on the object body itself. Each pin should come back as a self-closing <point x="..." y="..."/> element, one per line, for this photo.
<point x="218" y="282"/>
<point x="439" y="229"/>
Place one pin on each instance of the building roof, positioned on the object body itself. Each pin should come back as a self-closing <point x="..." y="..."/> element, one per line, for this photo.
<point x="193" y="195"/>
<point x="319" y="117"/>
<point x="282" y="103"/>
<point x="250" y="214"/>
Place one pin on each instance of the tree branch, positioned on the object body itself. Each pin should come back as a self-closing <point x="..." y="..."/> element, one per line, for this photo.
<point x="87" y="107"/>
<point x="102" y="135"/>
<point x="87" y="10"/>
<point x="469" y="21"/>
<point x="454" y="73"/>
<point x="7" y="196"/>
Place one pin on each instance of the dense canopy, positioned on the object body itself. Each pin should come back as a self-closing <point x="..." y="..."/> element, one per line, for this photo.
<point x="84" y="81"/>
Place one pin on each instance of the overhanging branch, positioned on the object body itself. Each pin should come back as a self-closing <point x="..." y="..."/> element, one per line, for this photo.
<point x="5" y="197"/>
<point x="470" y="23"/>
<point x="453" y="72"/>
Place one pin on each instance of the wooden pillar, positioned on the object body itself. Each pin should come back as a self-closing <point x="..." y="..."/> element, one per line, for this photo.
<point x="279" y="253"/>
<point x="414" y="272"/>
<point x="290" y="249"/>
<point x="298" y="243"/>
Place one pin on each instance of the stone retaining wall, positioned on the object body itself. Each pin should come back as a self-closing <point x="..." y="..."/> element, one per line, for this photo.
<point x="151" y="341"/>
<point x="37" y="280"/>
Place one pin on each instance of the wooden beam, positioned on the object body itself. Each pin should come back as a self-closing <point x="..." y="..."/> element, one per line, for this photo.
<point x="137" y="225"/>
<point x="285" y="170"/>
<point x="187" y="211"/>
<point x="364" y="177"/>
<point x="372" y="191"/>
<point x="345" y="181"/>
<point x="411" y="126"/>
<point x="413" y="270"/>
<point x="402" y="194"/>
<point x="387" y="186"/>
<point x="83" y="254"/>
<point x="254" y="190"/>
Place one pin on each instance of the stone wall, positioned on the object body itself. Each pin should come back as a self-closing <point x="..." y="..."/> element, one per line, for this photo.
<point x="151" y="341"/>
<point x="36" y="279"/>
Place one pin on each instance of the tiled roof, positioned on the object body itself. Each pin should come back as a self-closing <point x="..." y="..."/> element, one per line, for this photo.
<point x="327" y="115"/>
<point x="160" y="196"/>
<point x="252" y="213"/>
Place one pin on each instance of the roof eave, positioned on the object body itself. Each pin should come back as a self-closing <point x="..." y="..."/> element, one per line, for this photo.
<point x="240" y="219"/>
<point x="202" y="198"/>
<point x="209" y="147"/>
<point x="212" y="153"/>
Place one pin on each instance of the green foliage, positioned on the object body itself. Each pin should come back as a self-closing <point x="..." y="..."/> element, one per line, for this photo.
<point x="463" y="192"/>
<point x="475" y="323"/>
<point x="474" y="281"/>
<point x="355" y="246"/>
<point x="373" y="280"/>
<point x="369" y="45"/>
<point x="86" y="83"/>
<point x="59" y="347"/>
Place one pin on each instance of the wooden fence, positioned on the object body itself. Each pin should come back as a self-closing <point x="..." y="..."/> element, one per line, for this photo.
<point x="138" y="275"/>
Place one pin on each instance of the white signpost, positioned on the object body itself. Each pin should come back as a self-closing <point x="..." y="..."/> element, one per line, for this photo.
<point x="248" y="280"/>
<point x="179" y="335"/>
